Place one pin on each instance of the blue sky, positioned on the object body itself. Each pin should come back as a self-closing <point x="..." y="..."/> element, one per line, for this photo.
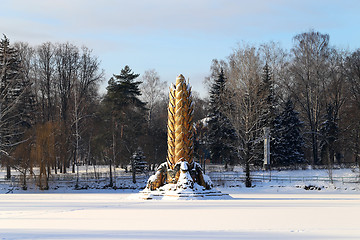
<point x="173" y="36"/>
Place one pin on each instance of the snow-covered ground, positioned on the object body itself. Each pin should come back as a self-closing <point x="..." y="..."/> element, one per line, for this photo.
<point x="114" y="215"/>
<point x="295" y="181"/>
<point x="276" y="209"/>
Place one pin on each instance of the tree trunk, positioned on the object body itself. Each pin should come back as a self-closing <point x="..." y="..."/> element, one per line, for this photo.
<point x="330" y="165"/>
<point x="133" y="171"/>
<point x="60" y="167"/>
<point x="111" y="184"/>
<point x="8" y="172"/>
<point x="356" y="152"/>
<point x="24" y="187"/>
<point x="314" y="148"/>
<point x="247" y="173"/>
<point x="96" y="177"/>
<point x="73" y="165"/>
<point x="55" y="168"/>
<point x="64" y="166"/>
<point x="46" y="181"/>
<point x="247" y="167"/>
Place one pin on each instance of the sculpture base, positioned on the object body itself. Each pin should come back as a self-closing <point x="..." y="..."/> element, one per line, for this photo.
<point x="190" y="184"/>
<point x="173" y="192"/>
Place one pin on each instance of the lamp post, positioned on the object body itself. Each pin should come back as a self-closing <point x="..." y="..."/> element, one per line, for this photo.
<point x="266" y="148"/>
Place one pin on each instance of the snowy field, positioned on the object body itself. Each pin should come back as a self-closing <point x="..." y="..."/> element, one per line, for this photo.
<point x="112" y="215"/>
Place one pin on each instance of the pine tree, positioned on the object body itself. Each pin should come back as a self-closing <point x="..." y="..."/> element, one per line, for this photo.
<point x="127" y="116"/>
<point x="123" y="97"/>
<point x="222" y="136"/>
<point x="287" y="147"/>
<point x="123" y="90"/>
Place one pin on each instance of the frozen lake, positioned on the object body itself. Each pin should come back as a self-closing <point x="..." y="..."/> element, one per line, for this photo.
<point x="114" y="216"/>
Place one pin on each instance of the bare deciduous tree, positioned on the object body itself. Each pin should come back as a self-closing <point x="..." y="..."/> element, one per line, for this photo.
<point x="309" y="72"/>
<point x="352" y="71"/>
<point x="245" y="68"/>
<point x="45" y="66"/>
<point x="153" y="91"/>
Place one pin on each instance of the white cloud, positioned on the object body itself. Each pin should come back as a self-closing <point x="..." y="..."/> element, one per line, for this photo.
<point x="144" y="15"/>
<point x="77" y="18"/>
<point x="134" y="31"/>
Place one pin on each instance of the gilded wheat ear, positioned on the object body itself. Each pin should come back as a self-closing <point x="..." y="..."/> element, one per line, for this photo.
<point x="180" y="127"/>
<point x="171" y="129"/>
<point x="179" y="119"/>
<point x="188" y="113"/>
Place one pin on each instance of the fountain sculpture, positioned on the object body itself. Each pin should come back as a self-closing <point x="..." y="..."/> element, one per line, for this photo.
<point x="180" y="175"/>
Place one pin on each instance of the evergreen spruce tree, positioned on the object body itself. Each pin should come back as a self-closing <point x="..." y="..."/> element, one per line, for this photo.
<point x="328" y="137"/>
<point x="266" y="113"/>
<point x="16" y="101"/>
<point x="138" y="164"/>
<point x="222" y="136"/>
<point x="10" y="92"/>
<point x="138" y="161"/>
<point x="287" y="148"/>
<point x="268" y="100"/>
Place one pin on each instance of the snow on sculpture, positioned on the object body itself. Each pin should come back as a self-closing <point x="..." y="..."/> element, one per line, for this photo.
<point x="180" y="175"/>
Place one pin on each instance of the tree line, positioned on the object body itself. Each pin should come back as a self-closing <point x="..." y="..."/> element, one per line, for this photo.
<point x="308" y="97"/>
<point x="52" y="116"/>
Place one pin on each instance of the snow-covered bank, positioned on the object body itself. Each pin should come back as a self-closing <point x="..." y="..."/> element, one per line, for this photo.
<point x="296" y="181"/>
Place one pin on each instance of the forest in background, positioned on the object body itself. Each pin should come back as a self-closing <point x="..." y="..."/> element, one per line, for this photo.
<point x="52" y="116"/>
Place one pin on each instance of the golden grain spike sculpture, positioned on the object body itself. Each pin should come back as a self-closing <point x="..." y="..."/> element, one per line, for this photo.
<point x="180" y="127"/>
<point x="180" y="141"/>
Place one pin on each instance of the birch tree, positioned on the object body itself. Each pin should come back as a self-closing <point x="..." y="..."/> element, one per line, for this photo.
<point x="308" y="80"/>
<point x="244" y="80"/>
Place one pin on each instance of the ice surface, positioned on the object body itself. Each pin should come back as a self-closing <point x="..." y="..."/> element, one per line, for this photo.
<point x="114" y="216"/>
<point x="270" y="210"/>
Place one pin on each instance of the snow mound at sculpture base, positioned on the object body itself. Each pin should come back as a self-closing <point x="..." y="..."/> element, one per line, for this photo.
<point x="184" y="189"/>
<point x="173" y="192"/>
